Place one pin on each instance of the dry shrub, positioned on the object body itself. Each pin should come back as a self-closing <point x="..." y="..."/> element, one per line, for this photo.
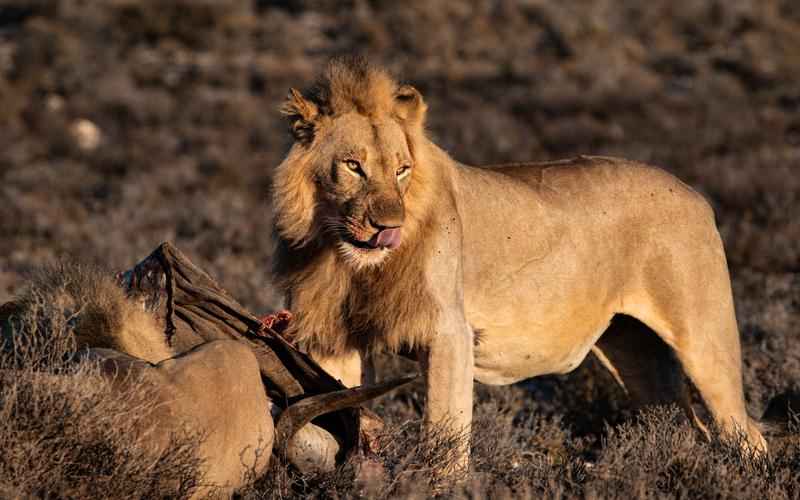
<point x="408" y="463"/>
<point x="660" y="454"/>
<point x="67" y="434"/>
<point x="518" y="454"/>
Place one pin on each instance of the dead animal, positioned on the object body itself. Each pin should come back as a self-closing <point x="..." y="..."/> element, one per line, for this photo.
<point x="214" y="369"/>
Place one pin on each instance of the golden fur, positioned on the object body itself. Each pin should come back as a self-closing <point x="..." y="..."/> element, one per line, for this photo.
<point x="97" y="310"/>
<point x="504" y="272"/>
<point x="309" y="264"/>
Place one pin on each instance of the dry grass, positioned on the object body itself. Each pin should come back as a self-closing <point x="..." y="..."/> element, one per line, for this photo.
<point x="185" y="96"/>
<point x="517" y="454"/>
<point x="67" y="434"/>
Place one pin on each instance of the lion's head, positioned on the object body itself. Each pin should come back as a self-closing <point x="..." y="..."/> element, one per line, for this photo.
<point x="353" y="176"/>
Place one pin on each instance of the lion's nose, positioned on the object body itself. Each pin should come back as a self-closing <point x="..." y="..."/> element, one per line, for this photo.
<point x="386" y="215"/>
<point x="386" y="223"/>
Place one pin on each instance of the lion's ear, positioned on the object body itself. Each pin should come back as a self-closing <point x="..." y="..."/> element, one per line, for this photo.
<point x="302" y="115"/>
<point x="409" y="105"/>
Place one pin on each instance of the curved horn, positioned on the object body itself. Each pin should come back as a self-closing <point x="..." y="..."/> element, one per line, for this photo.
<point x="303" y="412"/>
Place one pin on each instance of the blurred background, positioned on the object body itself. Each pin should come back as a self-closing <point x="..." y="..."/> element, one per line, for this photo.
<point x="124" y="123"/>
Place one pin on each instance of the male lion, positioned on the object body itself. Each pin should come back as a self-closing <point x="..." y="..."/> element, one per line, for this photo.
<point x="494" y="274"/>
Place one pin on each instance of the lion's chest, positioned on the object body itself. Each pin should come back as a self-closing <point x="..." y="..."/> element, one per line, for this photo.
<point x="385" y="317"/>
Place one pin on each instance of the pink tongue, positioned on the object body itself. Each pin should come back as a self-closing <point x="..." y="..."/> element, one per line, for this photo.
<point x="388" y="238"/>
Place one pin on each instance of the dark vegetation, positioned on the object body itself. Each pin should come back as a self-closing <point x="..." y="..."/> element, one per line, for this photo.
<point x="66" y="433"/>
<point x="184" y="98"/>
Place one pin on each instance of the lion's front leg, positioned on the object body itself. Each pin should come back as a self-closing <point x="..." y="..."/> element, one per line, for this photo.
<point x="447" y="364"/>
<point x="346" y="367"/>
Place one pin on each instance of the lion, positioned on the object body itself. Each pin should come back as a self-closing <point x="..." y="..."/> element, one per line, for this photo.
<point x="494" y="274"/>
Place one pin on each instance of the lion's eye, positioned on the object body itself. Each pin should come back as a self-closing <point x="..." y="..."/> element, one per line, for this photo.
<point x="403" y="171"/>
<point x="354" y="168"/>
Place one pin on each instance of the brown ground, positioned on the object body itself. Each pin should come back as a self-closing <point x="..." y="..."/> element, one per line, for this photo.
<point x="184" y="95"/>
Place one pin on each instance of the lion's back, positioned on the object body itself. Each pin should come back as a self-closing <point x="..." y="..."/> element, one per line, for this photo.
<point x="615" y="183"/>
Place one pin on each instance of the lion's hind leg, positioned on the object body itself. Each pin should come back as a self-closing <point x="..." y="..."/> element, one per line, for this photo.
<point x="710" y="357"/>
<point x="644" y="365"/>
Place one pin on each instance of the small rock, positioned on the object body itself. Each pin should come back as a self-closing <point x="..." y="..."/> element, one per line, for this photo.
<point x="86" y="134"/>
<point x="54" y="103"/>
